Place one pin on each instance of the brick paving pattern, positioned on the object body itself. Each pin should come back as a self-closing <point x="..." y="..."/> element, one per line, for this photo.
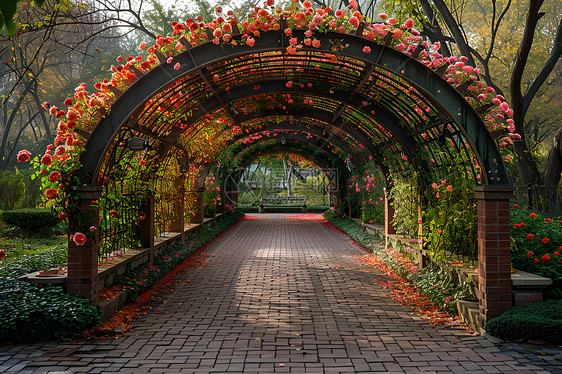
<point x="277" y="295"/>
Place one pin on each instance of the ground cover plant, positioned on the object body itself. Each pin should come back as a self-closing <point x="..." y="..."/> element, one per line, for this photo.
<point x="33" y="313"/>
<point x="22" y="256"/>
<point x="36" y="313"/>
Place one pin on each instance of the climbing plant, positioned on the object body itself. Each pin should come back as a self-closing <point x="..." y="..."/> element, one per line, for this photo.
<point x="203" y="140"/>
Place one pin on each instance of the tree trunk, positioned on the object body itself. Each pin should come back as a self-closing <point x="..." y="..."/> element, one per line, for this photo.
<point x="528" y="167"/>
<point x="553" y="169"/>
<point x="455" y="30"/>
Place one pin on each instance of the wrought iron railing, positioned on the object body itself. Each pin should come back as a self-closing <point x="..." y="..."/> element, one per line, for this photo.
<point x="119" y="224"/>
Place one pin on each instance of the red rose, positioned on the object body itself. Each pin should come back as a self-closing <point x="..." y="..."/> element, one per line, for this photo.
<point x="545" y="240"/>
<point x="55" y="176"/>
<point x="24" y="156"/>
<point x="515" y="206"/>
<point x="51" y="193"/>
<point x="530" y="236"/>
<point x="532" y="215"/>
<point x="47" y="160"/>
<point x="530" y="254"/>
<point x="545" y="258"/>
<point x="60" y="150"/>
<point x="79" y="239"/>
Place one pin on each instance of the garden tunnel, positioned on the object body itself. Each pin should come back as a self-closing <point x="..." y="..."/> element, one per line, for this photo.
<point x="344" y="95"/>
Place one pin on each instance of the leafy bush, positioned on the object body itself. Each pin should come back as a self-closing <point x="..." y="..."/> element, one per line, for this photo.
<point x="30" y="220"/>
<point x="536" y="246"/>
<point x="365" y="193"/>
<point x="404" y="192"/>
<point x="441" y="287"/>
<point x="538" y="321"/>
<point x="450" y="219"/>
<point x="44" y="313"/>
<point x="12" y="189"/>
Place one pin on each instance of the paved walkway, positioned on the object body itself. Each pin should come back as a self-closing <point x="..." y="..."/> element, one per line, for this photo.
<point x="278" y="295"/>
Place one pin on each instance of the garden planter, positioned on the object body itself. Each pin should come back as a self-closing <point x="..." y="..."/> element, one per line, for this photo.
<point x="51" y="276"/>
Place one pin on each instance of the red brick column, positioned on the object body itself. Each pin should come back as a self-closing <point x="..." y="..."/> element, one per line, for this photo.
<point x="421" y="259"/>
<point x="178" y="225"/>
<point x="494" y="256"/>
<point x="199" y="214"/>
<point x="388" y="216"/>
<point x="233" y="197"/>
<point x="83" y="260"/>
<point x="147" y="225"/>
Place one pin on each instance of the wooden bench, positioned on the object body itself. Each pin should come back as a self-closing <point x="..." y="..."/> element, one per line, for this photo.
<point x="282" y="201"/>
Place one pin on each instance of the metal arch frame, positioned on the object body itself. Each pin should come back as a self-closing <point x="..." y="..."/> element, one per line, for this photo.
<point x="424" y="79"/>
<point x="316" y="132"/>
<point x="324" y="163"/>
<point x="384" y="116"/>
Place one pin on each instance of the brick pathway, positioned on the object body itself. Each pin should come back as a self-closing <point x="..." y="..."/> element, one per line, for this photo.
<point x="278" y="295"/>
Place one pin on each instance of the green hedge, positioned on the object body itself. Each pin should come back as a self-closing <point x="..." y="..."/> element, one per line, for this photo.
<point x="537" y="321"/>
<point x="29" y="220"/>
<point x="44" y="313"/>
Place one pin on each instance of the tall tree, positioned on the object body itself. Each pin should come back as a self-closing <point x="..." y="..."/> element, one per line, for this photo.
<point x="518" y="46"/>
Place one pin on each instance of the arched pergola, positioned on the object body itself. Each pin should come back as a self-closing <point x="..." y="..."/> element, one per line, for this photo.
<point x="345" y="94"/>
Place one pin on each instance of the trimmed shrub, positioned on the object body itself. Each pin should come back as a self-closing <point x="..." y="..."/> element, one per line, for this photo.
<point x="44" y="313"/>
<point x="30" y="220"/>
<point x="12" y="189"/>
<point x="537" y="321"/>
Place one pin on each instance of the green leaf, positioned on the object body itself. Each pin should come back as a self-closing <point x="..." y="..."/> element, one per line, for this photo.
<point x="8" y="9"/>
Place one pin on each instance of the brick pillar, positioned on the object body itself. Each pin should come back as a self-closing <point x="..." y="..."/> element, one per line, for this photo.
<point x="199" y="213"/>
<point x="83" y="260"/>
<point x="388" y="216"/>
<point x="494" y="257"/>
<point x="234" y="198"/>
<point x="146" y="226"/>
<point x="178" y="224"/>
<point x="421" y="259"/>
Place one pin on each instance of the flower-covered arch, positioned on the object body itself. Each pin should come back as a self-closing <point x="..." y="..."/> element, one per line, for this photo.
<point x="347" y="84"/>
